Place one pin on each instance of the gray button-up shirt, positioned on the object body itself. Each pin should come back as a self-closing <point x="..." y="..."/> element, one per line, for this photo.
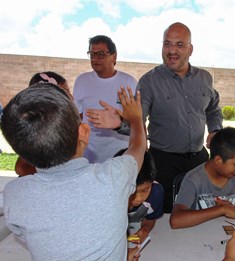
<point x="178" y="109"/>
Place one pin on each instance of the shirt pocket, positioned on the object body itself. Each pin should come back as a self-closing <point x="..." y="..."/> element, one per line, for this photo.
<point x="203" y="97"/>
<point x="164" y="106"/>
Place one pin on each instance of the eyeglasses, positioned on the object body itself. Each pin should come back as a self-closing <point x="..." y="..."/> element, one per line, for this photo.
<point x="99" y="54"/>
<point x="179" y="45"/>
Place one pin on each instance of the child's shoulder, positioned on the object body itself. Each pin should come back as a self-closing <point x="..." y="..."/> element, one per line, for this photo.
<point x="157" y="188"/>
<point x="126" y="161"/>
<point x="196" y="173"/>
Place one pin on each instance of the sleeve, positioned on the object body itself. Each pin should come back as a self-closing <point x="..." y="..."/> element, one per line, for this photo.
<point x="9" y="212"/>
<point x="214" y="115"/>
<point x="124" y="129"/>
<point x="146" y="96"/>
<point x="156" y="199"/>
<point x="187" y="193"/>
<point x="125" y="168"/>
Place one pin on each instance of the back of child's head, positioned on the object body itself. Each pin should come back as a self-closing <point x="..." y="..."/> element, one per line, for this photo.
<point x="223" y="144"/>
<point x="41" y="125"/>
<point x="148" y="170"/>
<point x="45" y="77"/>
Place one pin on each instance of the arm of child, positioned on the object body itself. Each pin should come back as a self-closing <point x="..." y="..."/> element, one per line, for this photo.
<point x="132" y="113"/>
<point x="182" y="216"/>
<point x="133" y="254"/>
<point x="230" y="249"/>
<point x="146" y="226"/>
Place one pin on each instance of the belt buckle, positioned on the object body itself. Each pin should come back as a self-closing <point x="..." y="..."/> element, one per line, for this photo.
<point x="190" y="155"/>
<point x="193" y="154"/>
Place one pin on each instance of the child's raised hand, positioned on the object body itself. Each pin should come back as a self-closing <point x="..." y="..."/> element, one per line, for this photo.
<point x="132" y="110"/>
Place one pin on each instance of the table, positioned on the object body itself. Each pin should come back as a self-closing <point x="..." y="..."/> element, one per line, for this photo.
<point x="12" y="249"/>
<point x="199" y="243"/>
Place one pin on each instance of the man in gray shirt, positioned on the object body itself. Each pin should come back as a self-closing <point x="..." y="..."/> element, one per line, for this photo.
<point x="178" y="100"/>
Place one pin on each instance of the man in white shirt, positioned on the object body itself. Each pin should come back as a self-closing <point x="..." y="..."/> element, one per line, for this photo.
<point x="101" y="84"/>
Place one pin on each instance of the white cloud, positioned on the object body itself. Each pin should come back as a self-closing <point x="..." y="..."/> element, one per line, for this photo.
<point x="153" y="6"/>
<point x="40" y="29"/>
<point x="110" y="8"/>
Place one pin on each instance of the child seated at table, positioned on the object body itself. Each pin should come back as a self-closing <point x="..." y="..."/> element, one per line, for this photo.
<point x="146" y="204"/>
<point x="70" y="209"/>
<point x="212" y="182"/>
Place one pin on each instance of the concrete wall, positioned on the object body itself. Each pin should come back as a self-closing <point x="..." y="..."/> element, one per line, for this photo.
<point x="17" y="70"/>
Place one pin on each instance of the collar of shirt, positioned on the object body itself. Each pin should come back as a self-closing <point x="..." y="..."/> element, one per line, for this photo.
<point x="173" y="74"/>
<point x="70" y="168"/>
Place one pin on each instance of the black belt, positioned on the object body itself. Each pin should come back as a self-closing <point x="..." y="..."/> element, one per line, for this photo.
<point x="188" y="155"/>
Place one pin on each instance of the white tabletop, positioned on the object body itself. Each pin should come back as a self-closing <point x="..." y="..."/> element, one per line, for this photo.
<point x="199" y="243"/>
<point x="12" y="249"/>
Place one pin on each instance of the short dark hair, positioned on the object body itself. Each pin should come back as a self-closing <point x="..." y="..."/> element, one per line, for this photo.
<point x="41" y="125"/>
<point x="37" y="78"/>
<point x="148" y="169"/>
<point x="223" y="144"/>
<point x="103" y="39"/>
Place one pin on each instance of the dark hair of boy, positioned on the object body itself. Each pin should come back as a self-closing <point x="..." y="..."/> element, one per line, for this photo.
<point x="103" y="39"/>
<point x="37" y="78"/>
<point x="148" y="170"/>
<point x="223" y="144"/>
<point x="37" y="126"/>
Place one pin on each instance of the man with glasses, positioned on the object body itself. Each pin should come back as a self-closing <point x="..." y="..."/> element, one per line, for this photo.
<point x="179" y="100"/>
<point x="102" y="84"/>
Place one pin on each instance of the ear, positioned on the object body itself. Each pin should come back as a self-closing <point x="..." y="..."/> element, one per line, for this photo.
<point x="191" y="49"/>
<point x="84" y="133"/>
<point x="218" y="160"/>
<point x="115" y="58"/>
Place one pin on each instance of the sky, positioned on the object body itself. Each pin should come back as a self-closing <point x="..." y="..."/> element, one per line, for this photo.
<point x="62" y="28"/>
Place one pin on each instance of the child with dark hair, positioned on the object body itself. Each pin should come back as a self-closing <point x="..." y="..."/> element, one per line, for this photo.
<point x="146" y="204"/>
<point x="51" y="77"/>
<point x="208" y="191"/>
<point x="70" y="209"/>
<point x="22" y="167"/>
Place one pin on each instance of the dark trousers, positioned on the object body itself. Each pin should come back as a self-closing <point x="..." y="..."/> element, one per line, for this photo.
<point x="169" y="165"/>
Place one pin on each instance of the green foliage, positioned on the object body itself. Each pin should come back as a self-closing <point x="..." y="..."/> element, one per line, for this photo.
<point x="7" y="161"/>
<point x="228" y="112"/>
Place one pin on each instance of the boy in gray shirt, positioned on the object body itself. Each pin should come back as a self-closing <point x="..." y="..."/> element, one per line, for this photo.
<point x="70" y="209"/>
<point x="208" y="190"/>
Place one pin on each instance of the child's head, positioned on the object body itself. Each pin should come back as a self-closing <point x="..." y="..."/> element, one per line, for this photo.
<point x="223" y="144"/>
<point x="51" y="77"/>
<point x="41" y="125"/>
<point x="144" y="180"/>
<point x="46" y="77"/>
<point x="222" y="148"/>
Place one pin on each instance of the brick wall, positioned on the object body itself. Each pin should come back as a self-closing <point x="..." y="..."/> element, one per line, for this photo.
<point x="17" y="70"/>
